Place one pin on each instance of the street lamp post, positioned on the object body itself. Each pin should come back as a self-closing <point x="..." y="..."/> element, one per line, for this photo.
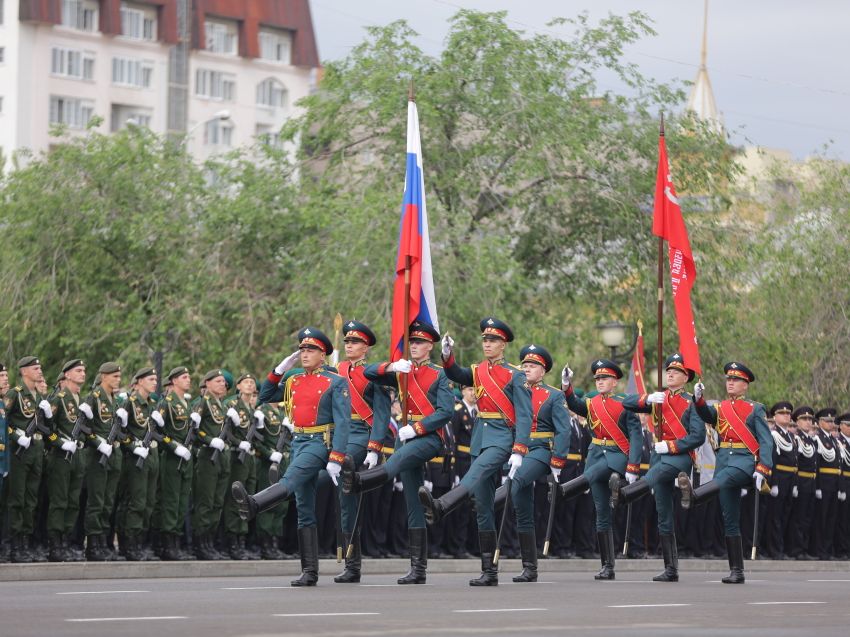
<point x="147" y="340"/>
<point x="221" y="115"/>
<point x="612" y="334"/>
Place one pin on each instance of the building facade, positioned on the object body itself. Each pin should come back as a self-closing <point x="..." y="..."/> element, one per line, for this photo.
<point x="164" y="64"/>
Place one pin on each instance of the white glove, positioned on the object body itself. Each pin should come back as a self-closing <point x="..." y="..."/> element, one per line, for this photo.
<point x="69" y="445"/>
<point x="261" y="417"/>
<point x="504" y="479"/>
<point x="371" y="459"/>
<point x="86" y="411"/>
<point x="556" y="471"/>
<point x="183" y="452"/>
<point x="5" y="474"/>
<point x="195" y="417"/>
<point x="402" y="366"/>
<point x="105" y="449"/>
<point x="24" y="442"/>
<point x="157" y="418"/>
<point x="457" y="480"/>
<point x="288" y="424"/>
<point x="818" y="494"/>
<point x="514" y="462"/>
<point x="245" y="446"/>
<point x="699" y="388"/>
<point x="842" y="496"/>
<point x="774" y="491"/>
<point x="448" y="344"/>
<point x="142" y="452"/>
<point x="656" y="397"/>
<point x="122" y="416"/>
<point x="759" y="478"/>
<point x="398" y="486"/>
<point x="46" y="409"/>
<point x="429" y="486"/>
<point x="566" y="375"/>
<point x="234" y="417"/>
<point x="333" y="470"/>
<point x="217" y="443"/>
<point x="406" y="433"/>
<point x="631" y="478"/>
<point x="276" y="456"/>
<point x="662" y="447"/>
<point x="795" y="492"/>
<point x="286" y="364"/>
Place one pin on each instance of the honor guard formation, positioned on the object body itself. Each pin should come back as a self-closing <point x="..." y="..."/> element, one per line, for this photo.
<point x="407" y="458"/>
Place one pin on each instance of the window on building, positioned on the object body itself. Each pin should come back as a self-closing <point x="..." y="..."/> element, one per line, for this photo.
<point x="124" y="115"/>
<point x="67" y="62"/>
<point x="271" y="93"/>
<point x="275" y="45"/>
<point x="215" y="86"/>
<point x="2" y="51"/>
<point x="218" y="133"/>
<point x="1" y="97"/>
<point x="221" y="38"/>
<point x="131" y="72"/>
<point x="80" y="14"/>
<point x="138" y="23"/>
<point x="74" y="113"/>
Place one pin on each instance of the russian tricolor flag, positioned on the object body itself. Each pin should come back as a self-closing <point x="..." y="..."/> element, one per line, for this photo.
<point x="413" y="244"/>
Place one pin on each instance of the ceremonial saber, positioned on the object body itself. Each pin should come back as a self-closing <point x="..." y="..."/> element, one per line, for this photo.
<point x="553" y="484"/>
<point x="509" y="484"/>
<point x="350" y="550"/>
<point x="628" y="529"/>
<point x="755" y="525"/>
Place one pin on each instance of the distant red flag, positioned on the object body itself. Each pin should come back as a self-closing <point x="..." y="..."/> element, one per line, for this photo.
<point x="636" y="383"/>
<point x="669" y="224"/>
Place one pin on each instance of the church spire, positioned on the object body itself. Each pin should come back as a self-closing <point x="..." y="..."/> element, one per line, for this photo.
<point x="701" y="99"/>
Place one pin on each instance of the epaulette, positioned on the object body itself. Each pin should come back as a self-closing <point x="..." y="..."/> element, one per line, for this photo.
<point x="327" y="371"/>
<point x="96" y="394"/>
<point x="19" y="388"/>
<point x="168" y="398"/>
<point x="458" y="406"/>
<point x="519" y="369"/>
<point x="552" y="387"/>
<point x="206" y="396"/>
<point x="132" y="399"/>
<point x="61" y="394"/>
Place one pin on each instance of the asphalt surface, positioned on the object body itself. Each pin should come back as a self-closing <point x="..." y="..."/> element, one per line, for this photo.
<point x="776" y="604"/>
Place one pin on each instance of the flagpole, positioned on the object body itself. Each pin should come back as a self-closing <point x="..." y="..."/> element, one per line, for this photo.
<point x="406" y="341"/>
<point x="660" y="295"/>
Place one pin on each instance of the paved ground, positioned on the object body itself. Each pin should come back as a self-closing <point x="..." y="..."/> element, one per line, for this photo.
<point x="777" y="604"/>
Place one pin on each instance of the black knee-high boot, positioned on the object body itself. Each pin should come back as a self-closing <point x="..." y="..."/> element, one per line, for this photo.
<point x="308" y="542"/>
<point x="418" y="556"/>
<point x="528" y="550"/>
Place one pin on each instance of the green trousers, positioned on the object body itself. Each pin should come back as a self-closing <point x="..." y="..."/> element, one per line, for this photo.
<point x="24" y="478"/>
<point x="174" y="487"/>
<point x="209" y="487"/>
<point x="102" y="488"/>
<point x="63" y="490"/>
<point x="245" y="473"/>
<point x="270" y="523"/>
<point x="137" y="493"/>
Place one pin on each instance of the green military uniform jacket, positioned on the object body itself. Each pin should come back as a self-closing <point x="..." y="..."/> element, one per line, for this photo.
<point x="213" y="413"/>
<point x="271" y="433"/>
<point x="21" y="405"/>
<point x="103" y="409"/>
<point x="175" y="412"/>
<point x="65" y="412"/>
<point x="138" y="420"/>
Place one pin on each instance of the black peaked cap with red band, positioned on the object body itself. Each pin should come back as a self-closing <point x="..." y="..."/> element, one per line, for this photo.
<point x="357" y="331"/>
<point x="536" y="354"/>
<point x="314" y="338"/>
<point x="494" y="328"/>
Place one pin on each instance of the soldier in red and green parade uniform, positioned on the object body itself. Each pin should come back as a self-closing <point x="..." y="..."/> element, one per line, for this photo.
<point x="23" y="403"/>
<point x="270" y="523"/>
<point x="175" y="483"/>
<point x="502" y="433"/>
<point x="745" y="453"/>
<point x="67" y="461"/>
<point x="842" y="527"/>
<point x="244" y="472"/>
<point x="430" y="405"/>
<point x="678" y="432"/>
<point x="547" y="453"/>
<point x="319" y="408"/>
<point x="828" y="483"/>
<point x="210" y="480"/>
<point x="616" y="447"/>
<point x="138" y="485"/>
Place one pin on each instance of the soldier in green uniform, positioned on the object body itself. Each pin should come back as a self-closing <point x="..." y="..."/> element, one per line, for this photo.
<point x="212" y="465"/>
<point x="270" y="523"/>
<point x="319" y="406"/>
<point x="23" y="403"/>
<point x="175" y="465"/>
<point x="745" y="453"/>
<point x="102" y="479"/>
<point x="140" y="470"/>
<point x="679" y="432"/>
<point x="67" y="461"/>
<point x="244" y="471"/>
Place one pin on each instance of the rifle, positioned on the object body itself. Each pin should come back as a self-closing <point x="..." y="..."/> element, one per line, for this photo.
<point x="37" y="424"/>
<point x="285" y="439"/>
<point x="252" y="435"/>
<point x="224" y="435"/>
<point x="146" y="443"/>
<point x="79" y="423"/>
<point x="190" y="436"/>
<point x="110" y="439"/>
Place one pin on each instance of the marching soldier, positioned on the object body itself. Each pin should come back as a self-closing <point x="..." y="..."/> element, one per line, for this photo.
<point x="550" y="440"/>
<point x="4" y="443"/>
<point x="678" y="432"/>
<point x="430" y="405"/>
<point x="827" y="484"/>
<point x="804" y="491"/>
<point x="745" y="454"/>
<point x="842" y="527"/>
<point x="616" y="448"/>
<point x="23" y="404"/>
<point x="270" y="523"/>
<point x="319" y="407"/>
<point x="783" y="480"/>
<point x="176" y="465"/>
<point x="458" y="538"/>
<point x="212" y="467"/>
<point x="67" y="461"/>
<point x="502" y="432"/>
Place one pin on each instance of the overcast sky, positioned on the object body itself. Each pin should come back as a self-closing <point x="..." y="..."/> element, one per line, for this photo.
<point x="790" y="41"/>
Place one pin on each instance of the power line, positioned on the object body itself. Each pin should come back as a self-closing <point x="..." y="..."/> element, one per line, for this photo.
<point x="784" y="121"/>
